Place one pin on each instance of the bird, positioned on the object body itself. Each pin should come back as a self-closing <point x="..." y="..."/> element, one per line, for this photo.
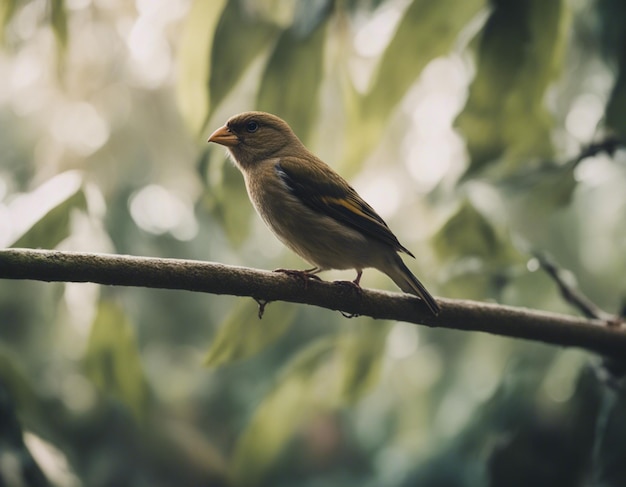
<point x="311" y="208"/>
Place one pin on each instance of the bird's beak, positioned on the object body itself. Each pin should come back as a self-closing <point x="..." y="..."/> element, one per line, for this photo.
<point x="224" y="136"/>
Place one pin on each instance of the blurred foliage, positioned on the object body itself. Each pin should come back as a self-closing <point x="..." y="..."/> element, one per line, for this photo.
<point x="195" y="65"/>
<point x="304" y="388"/>
<point x="426" y="31"/>
<point x="58" y="21"/>
<point x="612" y="14"/>
<point x="112" y="360"/>
<point x="481" y="130"/>
<point x="519" y="51"/>
<point x="55" y="226"/>
<point x="295" y="67"/>
<point x="236" y="340"/>
<point x="7" y="9"/>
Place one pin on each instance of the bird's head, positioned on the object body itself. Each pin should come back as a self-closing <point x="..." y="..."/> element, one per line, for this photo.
<point x="252" y="137"/>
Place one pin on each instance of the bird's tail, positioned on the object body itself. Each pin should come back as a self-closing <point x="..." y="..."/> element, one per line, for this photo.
<point x="405" y="280"/>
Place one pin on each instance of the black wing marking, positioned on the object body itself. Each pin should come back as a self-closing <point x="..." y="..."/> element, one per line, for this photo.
<point x="333" y="197"/>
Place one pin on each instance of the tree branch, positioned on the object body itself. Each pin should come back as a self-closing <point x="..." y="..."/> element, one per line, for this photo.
<point x="208" y="277"/>
<point x="569" y="291"/>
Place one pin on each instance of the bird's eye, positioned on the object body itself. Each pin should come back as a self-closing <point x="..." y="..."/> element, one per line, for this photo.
<point x="252" y="126"/>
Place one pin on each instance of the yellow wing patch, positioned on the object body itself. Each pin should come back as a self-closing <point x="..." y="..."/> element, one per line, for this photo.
<point x="349" y="205"/>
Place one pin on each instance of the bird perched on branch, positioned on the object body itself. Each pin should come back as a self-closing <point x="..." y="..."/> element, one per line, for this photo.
<point x="310" y="207"/>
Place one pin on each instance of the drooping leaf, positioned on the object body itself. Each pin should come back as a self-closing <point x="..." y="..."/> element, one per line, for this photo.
<point x="467" y="234"/>
<point x="305" y="385"/>
<point x="360" y="352"/>
<point x="519" y="53"/>
<point x="58" y="20"/>
<point x="292" y="78"/>
<point x="49" y="209"/>
<point x="233" y="51"/>
<point x="428" y="30"/>
<point x="112" y="360"/>
<point x="194" y="68"/>
<point x="243" y="335"/>
<point x="7" y="10"/>
<point x="329" y="373"/>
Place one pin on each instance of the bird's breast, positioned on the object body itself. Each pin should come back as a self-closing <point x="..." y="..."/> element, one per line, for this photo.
<point x="317" y="238"/>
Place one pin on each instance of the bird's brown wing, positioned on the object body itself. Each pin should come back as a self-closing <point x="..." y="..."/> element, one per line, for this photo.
<point x="320" y="188"/>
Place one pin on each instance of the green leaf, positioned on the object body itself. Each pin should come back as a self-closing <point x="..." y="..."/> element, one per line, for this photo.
<point x="243" y="335"/>
<point x="469" y="234"/>
<point x="292" y="78"/>
<point x="233" y="52"/>
<point x="112" y="361"/>
<point x="58" y="23"/>
<point x="307" y="384"/>
<point x="329" y="373"/>
<point x="479" y="257"/>
<point x="59" y="197"/>
<point x="194" y="68"/>
<point x="361" y="351"/>
<point x="520" y="52"/>
<point x="428" y="30"/>
<point x="7" y="10"/>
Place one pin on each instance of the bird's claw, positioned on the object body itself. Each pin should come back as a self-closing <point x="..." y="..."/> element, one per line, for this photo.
<point x="350" y="315"/>
<point x="302" y="275"/>
<point x="350" y="285"/>
<point x="354" y="286"/>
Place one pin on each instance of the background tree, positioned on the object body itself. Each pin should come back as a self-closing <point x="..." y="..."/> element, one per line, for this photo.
<point x="482" y="131"/>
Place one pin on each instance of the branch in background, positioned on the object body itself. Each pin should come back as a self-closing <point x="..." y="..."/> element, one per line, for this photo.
<point x="528" y="175"/>
<point x="612" y="369"/>
<point x="610" y="144"/>
<point x="556" y="329"/>
<point x="570" y="293"/>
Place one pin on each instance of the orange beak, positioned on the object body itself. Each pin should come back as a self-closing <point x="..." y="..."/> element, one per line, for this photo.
<point x="224" y="136"/>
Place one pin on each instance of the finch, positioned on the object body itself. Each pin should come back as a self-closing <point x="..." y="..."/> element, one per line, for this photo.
<point x="309" y="206"/>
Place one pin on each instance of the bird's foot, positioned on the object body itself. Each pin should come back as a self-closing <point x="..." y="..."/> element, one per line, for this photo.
<point x="350" y="285"/>
<point x="353" y="284"/>
<point x="349" y="315"/>
<point x="307" y="274"/>
<point x="304" y="276"/>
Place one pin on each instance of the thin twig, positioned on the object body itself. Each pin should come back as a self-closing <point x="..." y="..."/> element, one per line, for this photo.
<point x="570" y="293"/>
<point x="610" y="144"/>
<point x="528" y="175"/>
